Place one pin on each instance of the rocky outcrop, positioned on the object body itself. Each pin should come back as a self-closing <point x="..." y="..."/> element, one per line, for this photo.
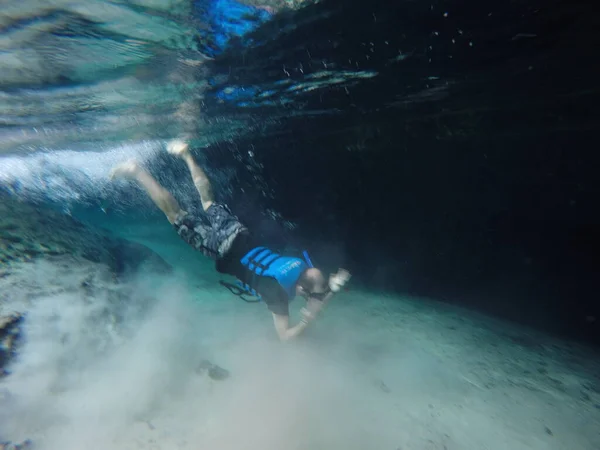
<point x="45" y="253"/>
<point x="10" y="446"/>
<point x="29" y="231"/>
<point x="212" y="370"/>
<point x="66" y="311"/>
<point x="51" y="262"/>
<point x="9" y="335"/>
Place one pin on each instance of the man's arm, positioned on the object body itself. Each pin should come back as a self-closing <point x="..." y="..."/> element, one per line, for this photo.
<point x="282" y="322"/>
<point x="313" y="307"/>
<point x="284" y="331"/>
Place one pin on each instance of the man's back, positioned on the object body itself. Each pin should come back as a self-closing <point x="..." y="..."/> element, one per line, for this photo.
<point x="270" y="290"/>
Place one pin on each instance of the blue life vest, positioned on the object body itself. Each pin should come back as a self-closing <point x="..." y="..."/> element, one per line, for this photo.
<point x="262" y="262"/>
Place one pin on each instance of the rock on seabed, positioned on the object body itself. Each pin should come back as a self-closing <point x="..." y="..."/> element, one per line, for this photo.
<point x="77" y="259"/>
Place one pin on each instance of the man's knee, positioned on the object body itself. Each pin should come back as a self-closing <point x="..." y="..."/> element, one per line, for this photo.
<point x="172" y="213"/>
<point x="171" y="217"/>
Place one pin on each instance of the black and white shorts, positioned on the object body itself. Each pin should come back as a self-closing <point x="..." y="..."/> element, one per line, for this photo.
<point x="211" y="233"/>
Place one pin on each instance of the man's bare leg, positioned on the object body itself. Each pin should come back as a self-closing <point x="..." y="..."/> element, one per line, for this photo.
<point x="181" y="149"/>
<point x="159" y="195"/>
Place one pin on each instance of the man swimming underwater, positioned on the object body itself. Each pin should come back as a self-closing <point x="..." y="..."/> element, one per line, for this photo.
<point x="274" y="278"/>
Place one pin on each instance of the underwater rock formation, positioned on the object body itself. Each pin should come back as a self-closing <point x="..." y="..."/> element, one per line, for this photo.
<point x="29" y="231"/>
<point x="10" y="446"/>
<point x="44" y="253"/>
<point x="9" y="335"/>
<point x="77" y="309"/>
<point x="214" y="372"/>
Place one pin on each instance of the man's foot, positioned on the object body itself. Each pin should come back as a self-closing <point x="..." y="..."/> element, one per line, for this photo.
<point x="177" y="147"/>
<point x="127" y="169"/>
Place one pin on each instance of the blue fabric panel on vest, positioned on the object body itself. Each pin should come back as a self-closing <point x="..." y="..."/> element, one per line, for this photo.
<point x="286" y="270"/>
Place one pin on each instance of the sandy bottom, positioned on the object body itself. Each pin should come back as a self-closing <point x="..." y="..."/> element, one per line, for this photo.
<point x="373" y="372"/>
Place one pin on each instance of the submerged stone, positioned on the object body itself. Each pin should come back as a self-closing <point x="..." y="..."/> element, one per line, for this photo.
<point x="29" y="231"/>
<point x="214" y="372"/>
<point x="25" y="445"/>
<point x="9" y="335"/>
<point x="44" y="253"/>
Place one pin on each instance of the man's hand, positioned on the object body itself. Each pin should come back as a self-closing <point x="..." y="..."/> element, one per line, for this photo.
<point x="313" y="306"/>
<point x="338" y="280"/>
<point x="284" y="330"/>
<point x="310" y="311"/>
<point x="306" y="316"/>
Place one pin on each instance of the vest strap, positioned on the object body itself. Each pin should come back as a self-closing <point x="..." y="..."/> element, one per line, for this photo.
<point x="241" y="292"/>
<point x="258" y="262"/>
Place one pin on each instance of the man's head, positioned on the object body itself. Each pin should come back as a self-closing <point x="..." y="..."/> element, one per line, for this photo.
<point x="312" y="283"/>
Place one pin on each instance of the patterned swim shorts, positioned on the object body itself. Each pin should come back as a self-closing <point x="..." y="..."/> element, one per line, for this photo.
<point x="211" y="233"/>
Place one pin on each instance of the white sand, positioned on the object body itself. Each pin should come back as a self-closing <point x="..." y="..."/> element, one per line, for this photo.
<point x="373" y="372"/>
